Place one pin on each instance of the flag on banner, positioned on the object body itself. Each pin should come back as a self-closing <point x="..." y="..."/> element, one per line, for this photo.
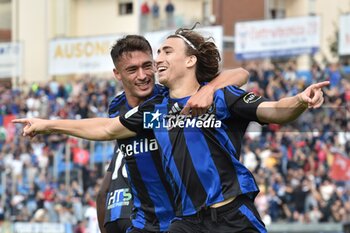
<point x="340" y="169"/>
<point x="81" y="156"/>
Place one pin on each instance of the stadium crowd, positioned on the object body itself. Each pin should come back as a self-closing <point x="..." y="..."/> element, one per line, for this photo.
<point x="293" y="164"/>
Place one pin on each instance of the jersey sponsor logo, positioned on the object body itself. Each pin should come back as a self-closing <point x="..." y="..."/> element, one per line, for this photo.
<point x="207" y="120"/>
<point x="119" y="197"/>
<point x="153" y="120"/>
<point x="139" y="146"/>
<point x="251" y="98"/>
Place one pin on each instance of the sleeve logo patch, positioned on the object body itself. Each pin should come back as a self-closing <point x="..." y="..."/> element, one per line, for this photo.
<point x="251" y="98"/>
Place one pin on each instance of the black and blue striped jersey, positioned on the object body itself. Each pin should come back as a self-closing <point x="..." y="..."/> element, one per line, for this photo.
<point x="200" y="155"/>
<point x="119" y="199"/>
<point x="152" y="195"/>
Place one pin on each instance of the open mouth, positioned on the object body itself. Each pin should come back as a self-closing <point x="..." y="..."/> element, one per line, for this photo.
<point x="161" y="69"/>
<point x="143" y="85"/>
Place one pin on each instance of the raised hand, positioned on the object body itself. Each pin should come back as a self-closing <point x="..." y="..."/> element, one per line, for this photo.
<point x="312" y="96"/>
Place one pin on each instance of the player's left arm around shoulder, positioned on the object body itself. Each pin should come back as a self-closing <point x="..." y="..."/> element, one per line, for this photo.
<point x="233" y="77"/>
<point x="200" y="102"/>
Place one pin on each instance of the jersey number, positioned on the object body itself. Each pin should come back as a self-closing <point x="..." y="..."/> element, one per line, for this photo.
<point x="118" y="165"/>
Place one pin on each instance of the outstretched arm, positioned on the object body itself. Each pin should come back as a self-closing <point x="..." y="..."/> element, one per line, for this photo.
<point x="98" y="129"/>
<point x="203" y="99"/>
<point x="288" y="109"/>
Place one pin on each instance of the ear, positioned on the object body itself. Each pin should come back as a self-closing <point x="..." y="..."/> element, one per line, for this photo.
<point x="117" y="74"/>
<point x="191" y="61"/>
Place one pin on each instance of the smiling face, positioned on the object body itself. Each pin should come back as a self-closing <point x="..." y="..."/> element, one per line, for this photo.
<point x="172" y="62"/>
<point x="136" y="72"/>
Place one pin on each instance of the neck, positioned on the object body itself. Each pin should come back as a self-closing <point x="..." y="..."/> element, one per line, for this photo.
<point x="186" y="87"/>
<point x="133" y="101"/>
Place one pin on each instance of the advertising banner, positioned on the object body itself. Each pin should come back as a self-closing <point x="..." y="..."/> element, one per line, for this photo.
<point x="46" y="227"/>
<point x="81" y="55"/>
<point x="344" y="35"/>
<point x="278" y="37"/>
<point x="10" y="60"/>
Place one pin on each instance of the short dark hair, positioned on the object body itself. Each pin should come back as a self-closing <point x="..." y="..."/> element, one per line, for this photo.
<point x="208" y="56"/>
<point x="129" y="43"/>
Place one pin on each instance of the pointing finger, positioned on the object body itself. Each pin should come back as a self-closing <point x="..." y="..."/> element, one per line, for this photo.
<point x="321" y="84"/>
<point x="21" y="121"/>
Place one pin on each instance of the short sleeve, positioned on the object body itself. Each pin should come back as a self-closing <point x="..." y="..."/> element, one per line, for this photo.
<point x="133" y="119"/>
<point x="243" y="104"/>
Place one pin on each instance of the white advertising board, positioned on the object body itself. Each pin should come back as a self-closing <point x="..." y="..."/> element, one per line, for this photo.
<point x="46" y="227"/>
<point x="344" y="35"/>
<point x="10" y="59"/>
<point x="278" y="37"/>
<point x="81" y="55"/>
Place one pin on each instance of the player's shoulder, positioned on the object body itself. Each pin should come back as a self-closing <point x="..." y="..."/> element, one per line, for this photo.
<point x="149" y="105"/>
<point x="156" y="99"/>
<point x="234" y="93"/>
<point x="115" y="105"/>
<point x="229" y="92"/>
<point x="160" y="90"/>
<point x="234" y="90"/>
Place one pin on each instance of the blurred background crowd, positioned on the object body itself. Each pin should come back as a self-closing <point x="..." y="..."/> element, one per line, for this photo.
<point x="297" y="166"/>
<point x="302" y="169"/>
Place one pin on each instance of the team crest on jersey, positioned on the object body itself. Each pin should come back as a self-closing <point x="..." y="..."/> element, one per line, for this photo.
<point x="251" y="98"/>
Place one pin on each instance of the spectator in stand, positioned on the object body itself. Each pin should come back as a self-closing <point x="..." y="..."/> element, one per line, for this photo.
<point x="91" y="216"/>
<point x="145" y="11"/>
<point x="2" y="213"/>
<point x="80" y="227"/>
<point x="169" y="11"/>
<point x="77" y="200"/>
<point x="145" y="8"/>
<point x="334" y="75"/>
<point x="155" y="16"/>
